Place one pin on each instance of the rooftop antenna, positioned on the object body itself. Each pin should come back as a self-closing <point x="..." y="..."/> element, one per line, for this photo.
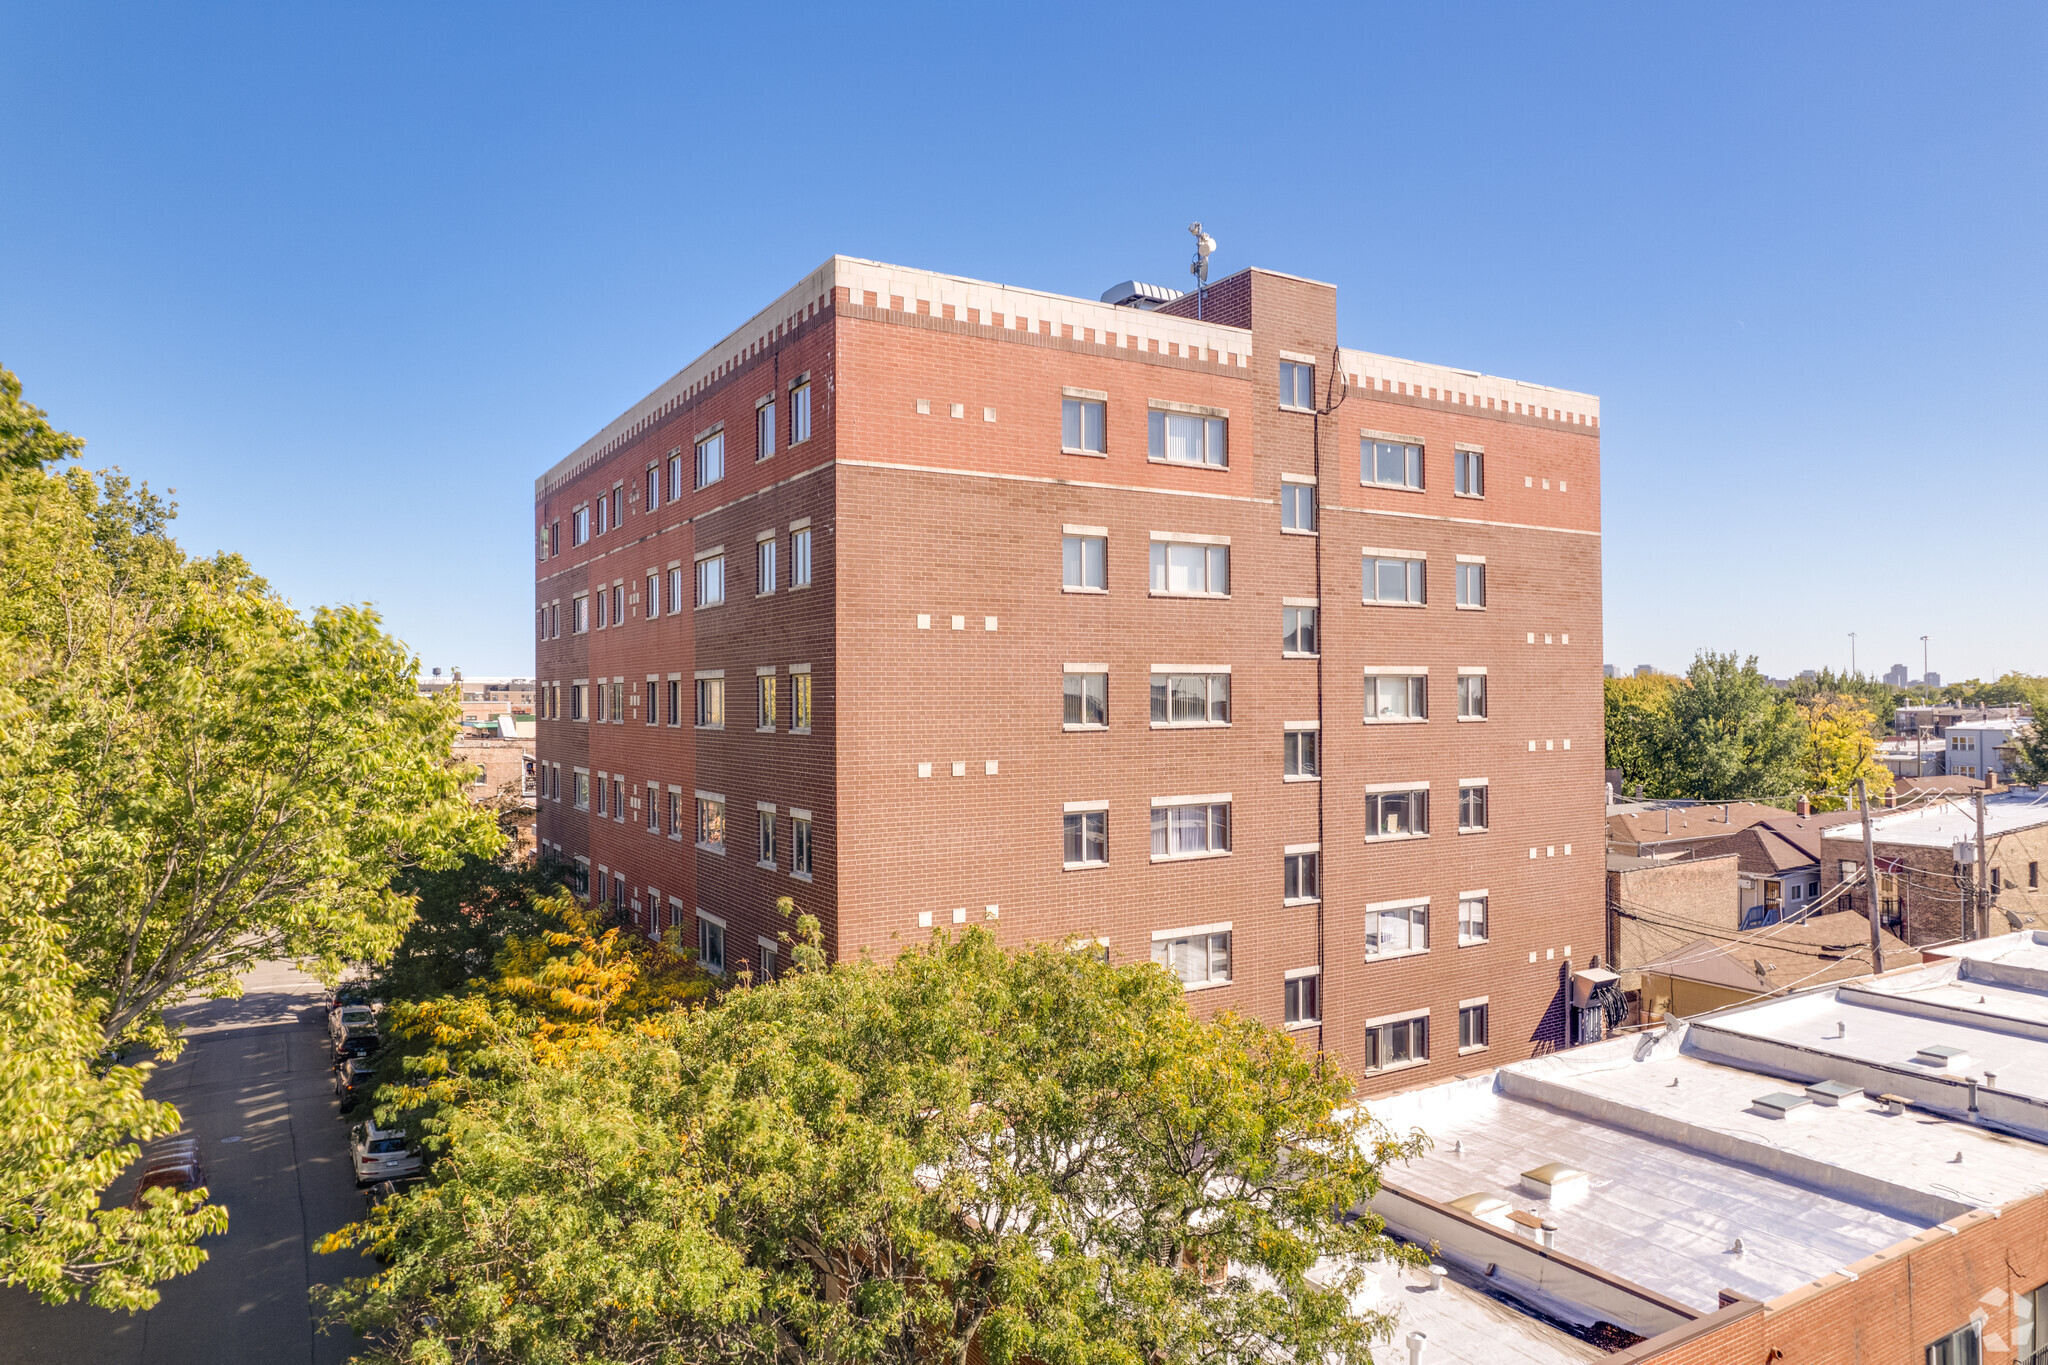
<point x="1199" y="268"/>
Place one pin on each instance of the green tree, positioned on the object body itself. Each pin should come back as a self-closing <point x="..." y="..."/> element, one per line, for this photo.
<point x="1638" y="717"/>
<point x="1033" y="1154"/>
<point x="1880" y="699"/>
<point x="463" y="917"/>
<point x="192" y="776"/>
<point x="1840" y="748"/>
<point x="2030" y="755"/>
<point x="1730" y="734"/>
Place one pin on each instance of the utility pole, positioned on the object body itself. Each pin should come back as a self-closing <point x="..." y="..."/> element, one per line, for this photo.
<point x="1923" y="661"/>
<point x="1852" y="653"/>
<point x="1983" y="875"/>
<point x="1870" y="879"/>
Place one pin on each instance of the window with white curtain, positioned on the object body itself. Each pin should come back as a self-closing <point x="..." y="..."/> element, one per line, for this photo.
<point x="1396" y="696"/>
<point x="1185" y="438"/>
<point x="1396" y="815"/>
<point x="1191" y="831"/>
<point x="1198" y="959"/>
<point x="1396" y="582"/>
<point x="1390" y="464"/>
<point x="1185" y="570"/>
<point x="1396" y="929"/>
<point x="1191" y="699"/>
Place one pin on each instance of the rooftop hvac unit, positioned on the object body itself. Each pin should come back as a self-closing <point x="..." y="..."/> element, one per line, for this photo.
<point x="1588" y="980"/>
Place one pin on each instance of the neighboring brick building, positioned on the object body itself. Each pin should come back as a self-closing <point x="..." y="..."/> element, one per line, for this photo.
<point x="1655" y="908"/>
<point x="964" y="538"/>
<point x="1922" y="888"/>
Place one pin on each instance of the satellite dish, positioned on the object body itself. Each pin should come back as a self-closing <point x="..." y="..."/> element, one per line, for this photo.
<point x="1204" y="245"/>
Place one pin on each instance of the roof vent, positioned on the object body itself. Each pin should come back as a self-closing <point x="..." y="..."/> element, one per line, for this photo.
<point x="1556" y="1182"/>
<point x="1779" y="1104"/>
<point x="1942" y="1057"/>
<point x="1136" y="294"/>
<point x="1487" y="1208"/>
<point x="1833" y="1092"/>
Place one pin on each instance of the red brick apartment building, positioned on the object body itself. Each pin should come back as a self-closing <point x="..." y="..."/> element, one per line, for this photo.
<point x="928" y="602"/>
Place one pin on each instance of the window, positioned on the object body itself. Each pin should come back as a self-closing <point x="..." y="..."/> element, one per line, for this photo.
<point x="554" y="620"/>
<point x="1297" y="506"/>
<point x="800" y="413"/>
<point x="764" y="567"/>
<point x="767" y="959"/>
<point x="1197" y="958"/>
<point x="618" y="701"/>
<point x="711" y="581"/>
<point x="710" y="943"/>
<point x="619" y="801"/>
<point x="675" y="814"/>
<point x="582" y="791"/>
<point x="1191" y="699"/>
<point x="653" y="488"/>
<point x="1472" y="1027"/>
<point x="1297" y="385"/>
<point x="1471" y="808"/>
<point x="603" y="507"/>
<point x="1298" y="756"/>
<point x="2033" y="875"/>
<point x="675" y="475"/>
<point x="675" y="591"/>
<point x="1300" y="879"/>
<point x="1389" y="579"/>
<point x="800" y="846"/>
<point x="711" y="823"/>
<point x="1471" y="585"/>
<point x="1184" y="438"/>
<point x="1298" y="631"/>
<point x="653" y="711"/>
<point x="1191" y="831"/>
<point x="764" y="430"/>
<point x="579" y="526"/>
<point x="1082" y="424"/>
<point x="597" y="702"/>
<point x="579" y="616"/>
<point x="711" y="703"/>
<point x="800" y="558"/>
<point x="1390" y="464"/>
<point x="1304" y="998"/>
<point x="1183" y="570"/>
<point x="602" y="603"/>
<point x="1396" y="815"/>
<point x="1959" y="1347"/>
<point x="618" y="604"/>
<point x="711" y="459"/>
<point x="1391" y="929"/>
<point x="800" y="702"/>
<point x="675" y="701"/>
<point x="1472" y="696"/>
<point x="1401" y="1042"/>
<point x="1086" y="698"/>
<point x="1470" y="476"/>
<point x="1082" y="563"/>
<point x="653" y="596"/>
<point x="554" y="537"/>
<point x="575" y="701"/>
<point x="766" y="840"/>
<point x="1087" y="837"/>
<point x="653" y="809"/>
<point x="1472" y="918"/>
<point x="1396" y="696"/>
<point x="764" y="701"/>
<point x="619" y="890"/>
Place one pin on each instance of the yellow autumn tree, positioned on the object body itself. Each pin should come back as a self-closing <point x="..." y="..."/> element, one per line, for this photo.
<point x="1840" y="747"/>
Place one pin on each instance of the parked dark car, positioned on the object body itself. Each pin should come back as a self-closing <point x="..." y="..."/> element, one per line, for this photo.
<point x="352" y="1076"/>
<point x="358" y="1043"/>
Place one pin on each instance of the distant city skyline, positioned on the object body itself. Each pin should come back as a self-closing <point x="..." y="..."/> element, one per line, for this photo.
<point x="349" y="279"/>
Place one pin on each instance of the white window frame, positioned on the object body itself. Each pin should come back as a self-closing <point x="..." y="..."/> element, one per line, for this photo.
<point x="1376" y="795"/>
<point x="1075" y="542"/>
<point x="1293" y="978"/>
<point x="1077" y="403"/>
<point x="767" y="699"/>
<point x="1165" y="806"/>
<point x="711" y="930"/>
<point x="802" y="699"/>
<point x="1167" y="422"/>
<point x="711" y="457"/>
<point x="1212" y="675"/>
<point x="1471" y="683"/>
<point x="1294" y="606"/>
<point x="1471" y="574"/>
<point x="1068" y="690"/>
<point x="800" y="409"/>
<point x="708" y="709"/>
<point x="1313" y="854"/>
<point x="1077" y="816"/>
<point x="1414" y="910"/>
<point x="1166" y="938"/>
<point x="1483" y="1004"/>
<point x="766" y="851"/>
<point x="1294" y="376"/>
<point x="1468" y="471"/>
<point x="1302" y="488"/>
<point x="1413" y="684"/>
<point x="1466" y="938"/>
<point x="764" y="428"/>
<point x="1413" y="461"/>
<point x="1414" y="577"/>
<point x="711" y="577"/>
<point x="1291" y="730"/>
<point x="800" y="553"/>
<point x="1390" y="1021"/>
<point x="1485" y="803"/>
<point x="764" y="564"/>
<point x="1210" y="552"/>
<point x="712" y="817"/>
<point x="801" y="847"/>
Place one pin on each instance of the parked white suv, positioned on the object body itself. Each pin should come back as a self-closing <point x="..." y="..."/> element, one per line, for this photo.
<point x="381" y="1154"/>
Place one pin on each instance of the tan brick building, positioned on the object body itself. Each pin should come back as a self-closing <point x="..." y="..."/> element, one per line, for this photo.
<point x="928" y="602"/>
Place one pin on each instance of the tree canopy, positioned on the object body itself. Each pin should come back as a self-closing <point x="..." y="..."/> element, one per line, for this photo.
<point x="1721" y="732"/>
<point x="1840" y="748"/>
<point x="196" y="776"/>
<point x="1030" y="1153"/>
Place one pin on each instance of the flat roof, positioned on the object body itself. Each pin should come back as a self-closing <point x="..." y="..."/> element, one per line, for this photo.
<point x="1709" y="1164"/>
<point x="1940" y="823"/>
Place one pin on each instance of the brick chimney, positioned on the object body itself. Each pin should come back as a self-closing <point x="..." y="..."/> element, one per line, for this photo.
<point x="1990" y="780"/>
<point x="1805" y="806"/>
<point x="1891" y="799"/>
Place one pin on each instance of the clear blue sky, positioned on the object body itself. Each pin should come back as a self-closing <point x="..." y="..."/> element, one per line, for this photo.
<point x="348" y="277"/>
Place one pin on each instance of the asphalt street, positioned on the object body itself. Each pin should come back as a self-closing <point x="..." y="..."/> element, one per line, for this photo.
<point x="255" y="1087"/>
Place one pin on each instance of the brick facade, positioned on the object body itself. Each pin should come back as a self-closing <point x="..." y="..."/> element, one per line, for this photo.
<point x="937" y="492"/>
